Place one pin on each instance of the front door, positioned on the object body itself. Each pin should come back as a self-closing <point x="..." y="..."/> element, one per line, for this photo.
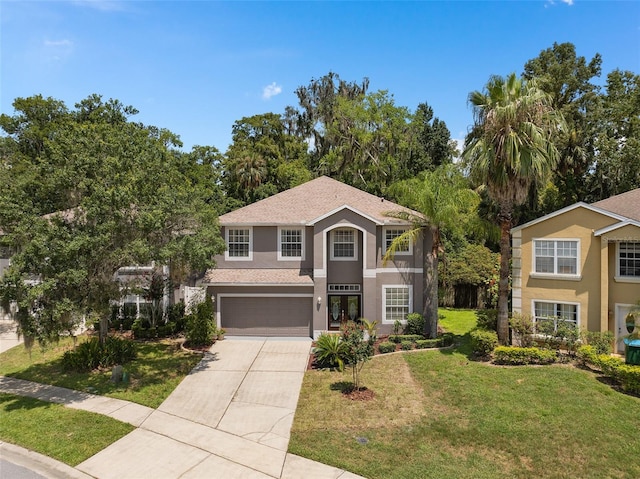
<point x="343" y="308"/>
<point x="622" y="328"/>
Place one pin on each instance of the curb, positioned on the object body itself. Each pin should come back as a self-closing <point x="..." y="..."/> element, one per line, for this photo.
<point x="39" y="463"/>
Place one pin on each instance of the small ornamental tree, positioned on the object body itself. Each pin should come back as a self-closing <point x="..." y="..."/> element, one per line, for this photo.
<point x="357" y="351"/>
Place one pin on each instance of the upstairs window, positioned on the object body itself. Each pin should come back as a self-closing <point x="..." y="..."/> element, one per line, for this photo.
<point x="291" y="243"/>
<point x="238" y="244"/>
<point x="556" y="257"/>
<point x="343" y="245"/>
<point x="629" y="260"/>
<point x="392" y="233"/>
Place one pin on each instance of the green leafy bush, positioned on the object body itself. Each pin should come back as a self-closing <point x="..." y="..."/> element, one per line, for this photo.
<point x="626" y="374"/>
<point x="522" y="327"/>
<point x="386" y="347"/>
<point x="602" y="342"/>
<point x="428" y="343"/>
<point x="487" y="319"/>
<point x="518" y="356"/>
<point x="329" y="351"/>
<point x="398" y="338"/>
<point x="201" y="328"/>
<point x="483" y="342"/>
<point x="629" y="377"/>
<point x="406" y="345"/>
<point x="175" y="315"/>
<point x="91" y="354"/>
<point x="415" y="324"/>
<point x="587" y="354"/>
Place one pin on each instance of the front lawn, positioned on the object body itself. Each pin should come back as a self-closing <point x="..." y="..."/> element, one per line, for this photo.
<point x="68" y="435"/>
<point x="158" y="369"/>
<point x="437" y="414"/>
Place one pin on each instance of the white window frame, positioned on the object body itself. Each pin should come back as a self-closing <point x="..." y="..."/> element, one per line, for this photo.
<point x="618" y="277"/>
<point x="281" y="229"/>
<point x="386" y="242"/>
<point x="554" y="302"/>
<point x="227" y="257"/>
<point x="355" y="245"/>
<point x="575" y="276"/>
<point x="386" y="287"/>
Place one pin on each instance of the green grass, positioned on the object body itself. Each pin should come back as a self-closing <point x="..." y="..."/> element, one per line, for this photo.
<point x="68" y="435"/>
<point x="156" y="372"/>
<point x="475" y="420"/>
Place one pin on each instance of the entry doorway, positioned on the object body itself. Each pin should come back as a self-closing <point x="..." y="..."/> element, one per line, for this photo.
<point x="622" y="328"/>
<point x="342" y="308"/>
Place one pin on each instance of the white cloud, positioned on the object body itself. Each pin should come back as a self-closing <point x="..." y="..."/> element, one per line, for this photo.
<point x="58" y="43"/>
<point x="553" y="2"/>
<point x="102" y="5"/>
<point x="271" y="90"/>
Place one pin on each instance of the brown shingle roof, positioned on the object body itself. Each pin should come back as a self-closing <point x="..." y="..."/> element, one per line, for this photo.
<point x="309" y="201"/>
<point x="258" y="276"/>
<point x="625" y="204"/>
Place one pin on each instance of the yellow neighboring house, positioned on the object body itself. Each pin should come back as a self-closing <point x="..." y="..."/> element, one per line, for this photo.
<point x="581" y="264"/>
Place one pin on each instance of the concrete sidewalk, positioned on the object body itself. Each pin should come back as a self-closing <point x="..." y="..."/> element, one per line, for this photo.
<point x="230" y="417"/>
<point x="124" y="411"/>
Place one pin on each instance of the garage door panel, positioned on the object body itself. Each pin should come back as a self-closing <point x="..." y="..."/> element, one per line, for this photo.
<point x="267" y="316"/>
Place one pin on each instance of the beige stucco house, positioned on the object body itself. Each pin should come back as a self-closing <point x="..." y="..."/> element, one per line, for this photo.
<point x="581" y="264"/>
<point x="300" y="262"/>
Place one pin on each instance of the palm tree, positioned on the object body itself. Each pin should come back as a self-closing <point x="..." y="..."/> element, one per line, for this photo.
<point x="510" y="149"/>
<point x="440" y="199"/>
<point x="251" y="171"/>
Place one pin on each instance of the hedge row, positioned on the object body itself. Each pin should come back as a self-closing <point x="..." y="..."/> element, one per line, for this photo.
<point x="518" y="356"/>
<point x="626" y="374"/>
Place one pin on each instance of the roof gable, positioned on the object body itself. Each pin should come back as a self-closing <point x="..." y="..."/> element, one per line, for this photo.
<point x="566" y="209"/>
<point x="311" y="201"/>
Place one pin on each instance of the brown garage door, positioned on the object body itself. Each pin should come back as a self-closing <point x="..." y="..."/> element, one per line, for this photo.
<point x="278" y="316"/>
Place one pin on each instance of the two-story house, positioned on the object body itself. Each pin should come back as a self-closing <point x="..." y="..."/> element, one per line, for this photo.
<point x="581" y="264"/>
<point x="302" y="261"/>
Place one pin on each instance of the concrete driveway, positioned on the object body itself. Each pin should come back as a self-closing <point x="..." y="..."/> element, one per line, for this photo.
<point x="8" y="336"/>
<point x="229" y="418"/>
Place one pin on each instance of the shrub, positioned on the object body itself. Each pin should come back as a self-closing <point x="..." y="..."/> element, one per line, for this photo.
<point x="91" y="354"/>
<point x="175" y="314"/>
<point x="602" y="342"/>
<point x="329" y="351"/>
<point x="626" y="374"/>
<point x="519" y="356"/>
<point x="406" y="345"/>
<point x="200" y="326"/>
<point x="587" y="354"/>
<point x="415" y="324"/>
<point x="446" y="339"/>
<point x="487" y="319"/>
<point x="386" y="347"/>
<point x="522" y="327"/>
<point x="629" y="378"/>
<point x="427" y="343"/>
<point x="483" y="342"/>
<point x="398" y="338"/>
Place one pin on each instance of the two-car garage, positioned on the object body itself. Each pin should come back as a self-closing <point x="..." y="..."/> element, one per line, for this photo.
<point x="250" y="315"/>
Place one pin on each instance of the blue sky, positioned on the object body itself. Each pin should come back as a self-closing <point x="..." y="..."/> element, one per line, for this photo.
<point x="195" y="67"/>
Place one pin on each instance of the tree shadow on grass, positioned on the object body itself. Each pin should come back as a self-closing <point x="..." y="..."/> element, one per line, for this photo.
<point x="461" y="345"/>
<point x="10" y="402"/>
<point x="342" y="386"/>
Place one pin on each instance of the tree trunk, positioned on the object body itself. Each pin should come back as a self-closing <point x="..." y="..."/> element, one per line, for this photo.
<point x="503" y="285"/>
<point x="430" y="291"/>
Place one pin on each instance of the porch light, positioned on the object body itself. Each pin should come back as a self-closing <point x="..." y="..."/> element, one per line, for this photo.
<point x="319" y="300"/>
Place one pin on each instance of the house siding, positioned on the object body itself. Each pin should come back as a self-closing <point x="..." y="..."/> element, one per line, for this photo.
<point x="595" y="289"/>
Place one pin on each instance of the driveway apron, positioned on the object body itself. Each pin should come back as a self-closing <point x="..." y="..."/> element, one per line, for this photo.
<point x="230" y="417"/>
